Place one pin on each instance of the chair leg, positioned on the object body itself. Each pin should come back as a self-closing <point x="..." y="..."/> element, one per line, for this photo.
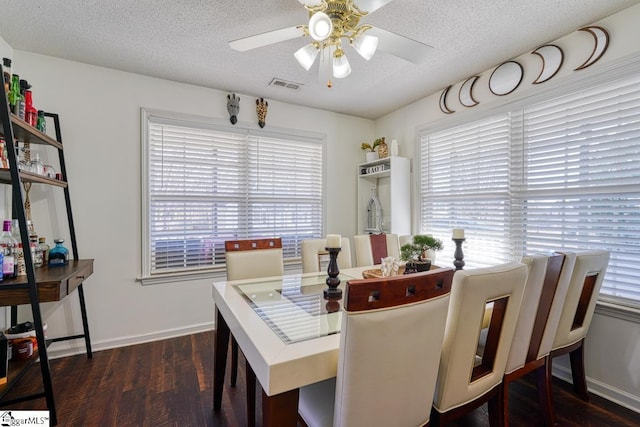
<point x="234" y="361"/>
<point x="504" y="396"/>
<point x="496" y="409"/>
<point x="577" y="372"/>
<point x="543" y="379"/>
<point x="251" y="395"/>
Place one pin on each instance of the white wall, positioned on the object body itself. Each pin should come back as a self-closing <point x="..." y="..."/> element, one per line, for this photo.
<point x="99" y="110"/>
<point x="613" y="343"/>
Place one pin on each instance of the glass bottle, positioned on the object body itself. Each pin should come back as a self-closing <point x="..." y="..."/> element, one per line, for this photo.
<point x="22" y="104"/>
<point x="14" y="93"/>
<point x="58" y="255"/>
<point x="37" y="166"/>
<point x="31" y="114"/>
<point x="36" y="251"/>
<point x="41" y="124"/>
<point x="8" y="245"/>
<point x="6" y="74"/>
<point x="44" y="248"/>
<point x="21" y="267"/>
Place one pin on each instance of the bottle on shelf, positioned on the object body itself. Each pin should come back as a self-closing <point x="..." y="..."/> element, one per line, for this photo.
<point x="44" y="248"/>
<point x="24" y="85"/>
<point x="8" y="247"/>
<point x="37" y="166"/>
<point x="31" y="114"/>
<point x="36" y="251"/>
<point x="6" y="74"/>
<point x="14" y="93"/>
<point x="41" y="124"/>
<point x="58" y="255"/>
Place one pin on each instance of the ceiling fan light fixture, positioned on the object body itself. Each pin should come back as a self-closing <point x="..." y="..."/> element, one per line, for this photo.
<point x="365" y="45"/>
<point x="341" y="66"/>
<point x="320" y="26"/>
<point x="306" y="55"/>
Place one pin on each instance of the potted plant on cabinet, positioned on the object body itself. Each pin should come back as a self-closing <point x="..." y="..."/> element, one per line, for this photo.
<point x="370" y="150"/>
<point x="419" y="254"/>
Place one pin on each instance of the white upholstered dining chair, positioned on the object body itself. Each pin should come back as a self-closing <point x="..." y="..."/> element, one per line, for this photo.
<point x="545" y="291"/>
<point x="575" y="318"/>
<point x="465" y="380"/>
<point x="313" y="249"/>
<point x="251" y="259"/>
<point x="390" y="342"/>
<point x="371" y="248"/>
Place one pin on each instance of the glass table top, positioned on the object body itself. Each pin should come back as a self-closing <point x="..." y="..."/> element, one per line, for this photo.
<point x="294" y="307"/>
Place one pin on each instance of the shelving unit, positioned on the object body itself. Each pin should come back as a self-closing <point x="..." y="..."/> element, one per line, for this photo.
<point x="391" y="178"/>
<point x="43" y="284"/>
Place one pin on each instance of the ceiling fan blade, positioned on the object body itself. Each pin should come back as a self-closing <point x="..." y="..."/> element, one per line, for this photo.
<point x="311" y="3"/>
<point x="401" y="46"/>
<point x="264" y="39"/>
<point x="370" y="5"/>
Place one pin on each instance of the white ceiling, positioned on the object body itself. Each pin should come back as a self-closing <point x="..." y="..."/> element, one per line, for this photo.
<point x="187" y="41"/>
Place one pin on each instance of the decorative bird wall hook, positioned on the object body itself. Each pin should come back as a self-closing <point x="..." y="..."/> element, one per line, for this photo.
<point x="261" y="109"/>
<point x="233" y="107"/>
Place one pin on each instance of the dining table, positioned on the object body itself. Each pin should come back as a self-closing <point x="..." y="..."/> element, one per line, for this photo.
<point x="288" y="332"/>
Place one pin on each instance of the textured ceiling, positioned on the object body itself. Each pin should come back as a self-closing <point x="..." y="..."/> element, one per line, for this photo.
<point x="187" y="41"/>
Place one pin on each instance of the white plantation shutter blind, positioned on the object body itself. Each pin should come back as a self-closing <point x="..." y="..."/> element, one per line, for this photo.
<point x="464" y="183"/>
<point x="582" y="180"/>
<point x="206" y="185"/>
<point x="559" y="174"/>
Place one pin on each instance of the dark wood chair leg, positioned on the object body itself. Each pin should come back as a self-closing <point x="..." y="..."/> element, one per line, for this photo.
<point x="250" y="377"/>
<point x="504" y="396"/>
<point x="496" y="409"/>
<point x="543" y="379"/>
<point x="577" y="372"/>
<point x="234" y="361"/>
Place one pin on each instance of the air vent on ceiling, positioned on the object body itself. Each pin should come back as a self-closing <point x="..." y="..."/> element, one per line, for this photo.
<point x="285" y="84"/>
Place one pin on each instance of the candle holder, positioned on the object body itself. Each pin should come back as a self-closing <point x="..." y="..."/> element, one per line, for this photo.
<point x="332" y="292"/>
<point x="458" y="254"/>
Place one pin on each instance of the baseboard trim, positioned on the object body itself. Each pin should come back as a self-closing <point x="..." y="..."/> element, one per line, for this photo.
<point x="70" y="348"/>
<point x="601" y="389"/>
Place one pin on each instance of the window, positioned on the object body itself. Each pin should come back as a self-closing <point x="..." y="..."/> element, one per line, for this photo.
<point x="206" y="183"/>
<point x="559" y="174"/>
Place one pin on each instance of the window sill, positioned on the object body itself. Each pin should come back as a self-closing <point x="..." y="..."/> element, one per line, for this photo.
<point x="182" y="277"/>
<point x="618" y="309"/>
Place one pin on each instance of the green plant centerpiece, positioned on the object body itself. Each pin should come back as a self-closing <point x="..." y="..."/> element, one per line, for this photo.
<point x="415" y="254"/>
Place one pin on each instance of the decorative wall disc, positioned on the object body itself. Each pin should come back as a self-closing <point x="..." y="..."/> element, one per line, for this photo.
<point x="601" y="42"/>
<point x="465" y="94"/>
<point x="506" y="78"/>
<point x="552" y="58"/>
<point x="443" y="101"/>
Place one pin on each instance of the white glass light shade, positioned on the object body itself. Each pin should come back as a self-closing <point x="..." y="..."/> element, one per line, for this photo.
<point x="341" y="67"/>
<point x="306" y="55"/>
<point x="365" y="45"/>
<point x="320" y="26"/>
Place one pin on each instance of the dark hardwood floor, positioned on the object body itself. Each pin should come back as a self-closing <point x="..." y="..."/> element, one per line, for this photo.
<point x="169" y="383"/>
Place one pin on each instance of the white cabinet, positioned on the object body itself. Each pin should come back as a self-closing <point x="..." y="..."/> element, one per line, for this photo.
<point x="390" y="177"/>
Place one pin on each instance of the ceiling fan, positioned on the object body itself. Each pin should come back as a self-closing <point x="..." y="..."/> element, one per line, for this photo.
<point x="333" y="23"/>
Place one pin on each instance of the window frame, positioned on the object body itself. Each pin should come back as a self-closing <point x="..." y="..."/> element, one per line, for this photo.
<point x="181" y="119"/>
<point x="626" y="308"/>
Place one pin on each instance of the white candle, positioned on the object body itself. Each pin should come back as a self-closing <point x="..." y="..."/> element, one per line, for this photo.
<point x="333" y="240"/>
<point x="458" y="233"/>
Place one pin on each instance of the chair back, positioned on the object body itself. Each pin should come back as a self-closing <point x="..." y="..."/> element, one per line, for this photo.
<point x="537" y="265"/>
<point x="314" y="249"/>
<point x="390" y="343"/>
<point x="463" y="377"/>
<point x="551" y="303"/>
<point x="253" y="258"/>
<point x="371" y="248"/>
<point x="582" y="293"/>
